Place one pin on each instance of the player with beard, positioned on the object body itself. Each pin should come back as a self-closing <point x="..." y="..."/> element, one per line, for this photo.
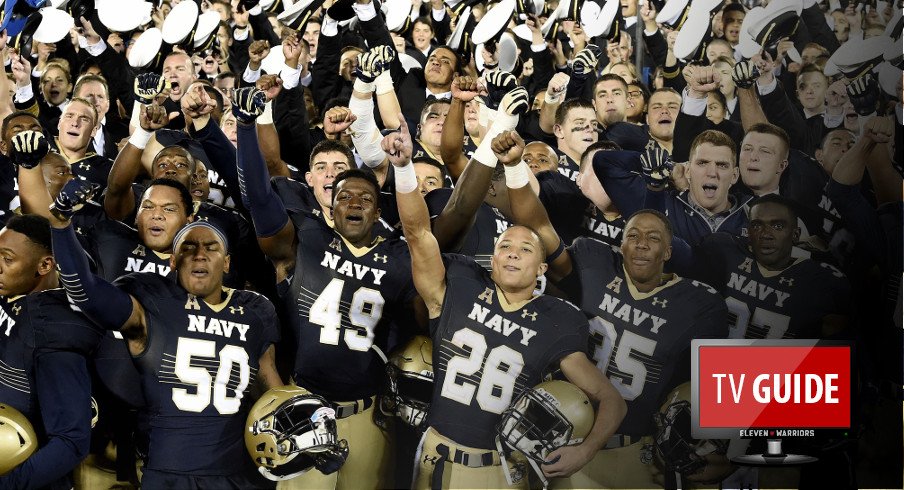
<point x="806" y="299"/>
<point x="639" y="180"/>
<point x="615" y="288"/>
<point x="340" y="319"/>
<point x="462" y="427"/>
<point x="43" y="348"/>
<point x="198" y="347"/>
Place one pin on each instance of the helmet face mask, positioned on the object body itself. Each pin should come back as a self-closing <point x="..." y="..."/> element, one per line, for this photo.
<point x="676" y="449"/>
<point x="291" y="431"/>
<point x="534" y="426"/>
<point x="409" y="383"/>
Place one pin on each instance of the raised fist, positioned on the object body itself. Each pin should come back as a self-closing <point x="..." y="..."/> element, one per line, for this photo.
<point x="247" y="104"/>
<point x="745" y="74"/>
<point x="72" y="197"/>
<point x="586" y="60"/>
<point x="655" y="165"/>
<point x="148" y="86"/>
<point x="29" y="148"/>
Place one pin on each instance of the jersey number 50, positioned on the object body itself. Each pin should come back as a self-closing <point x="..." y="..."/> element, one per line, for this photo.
<point x="206" y="387"/>
<point x="501" y="367"/>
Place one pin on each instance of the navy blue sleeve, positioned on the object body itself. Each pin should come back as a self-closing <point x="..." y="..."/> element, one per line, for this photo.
<point x="267" y="211"/>
<point x="64" y="393"/>
<point x="221" y="154"/>
<point x="859" y="217"/>
<point x="619" y="172"/>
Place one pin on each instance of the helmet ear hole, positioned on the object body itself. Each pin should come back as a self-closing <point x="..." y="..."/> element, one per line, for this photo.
<point x="18" y="440"/>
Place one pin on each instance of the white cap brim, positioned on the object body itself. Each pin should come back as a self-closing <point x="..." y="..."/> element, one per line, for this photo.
<point x="671" y="12"/>
<point x="398" y="13"/>
<point x="208" y="23"/>
<point x="180" y="22"/>
<point x="691" y="35"/>
<point x="123" y="15"/>
<point x="854" y="54"/>
<point x="146" y="48"/>
<point x="494" y="22"/>
<point x="890" y="79"/>
<point x="523" y="32"/>
<point x="597" y="21"/>
<point x="460" y="25"/>
<point x="54" y="27"/>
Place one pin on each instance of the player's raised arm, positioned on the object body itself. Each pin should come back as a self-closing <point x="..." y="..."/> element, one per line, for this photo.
<point x="427" y="267"/>
<point x="275" y="231"/>
<point x="527" y="210"/>
<point x="104" y="303"/>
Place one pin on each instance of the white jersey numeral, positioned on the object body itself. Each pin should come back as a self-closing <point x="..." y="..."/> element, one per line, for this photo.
<point x="364" y="312"/>
<point x="501" y="367"/>
<point x="206" y="386"/>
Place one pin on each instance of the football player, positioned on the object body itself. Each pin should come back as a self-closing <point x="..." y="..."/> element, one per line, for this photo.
<point x="77" y="127"/>
<point x="197" y="345"/>
<point x="342" y="287"/>
<point x="13" y="124"/>
<point x="43" y="348"/>
<point x="771" y="294"/>
<point x="641" y="331"/>
<point x="492" y="340"/>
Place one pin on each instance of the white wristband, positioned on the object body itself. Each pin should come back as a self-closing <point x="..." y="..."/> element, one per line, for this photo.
<point x="140" y="138"/>
<point x="383" y="83"/>
<point x="363" y="87"/>
<point x="517" y="176"/>
<point x="266" y="117"/>
<point x="405" y="179"/>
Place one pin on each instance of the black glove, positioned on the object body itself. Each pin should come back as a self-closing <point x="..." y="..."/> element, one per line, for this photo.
<point x="745" y="74"/>
<point x="149" y="85"/>
<point x="29" y="148"/>
<point x="655" y="166"/>
<point x="863" y="93"/>
<point x="247" y="104"/>
<point x="586" y="61"/>
<point x="515" y="102"/>
<point x="74" y="195"/>
<point x="331" y="459"/>
<point x="374" y="62"/>
<point x="499" y="83"/>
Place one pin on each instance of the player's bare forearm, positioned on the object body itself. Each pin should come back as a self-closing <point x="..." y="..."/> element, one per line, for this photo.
<point x="527" y="210"/>
<point x="458" y="215"/>
<point x="267" y="373"/>
<point x="268" y="139"/>
<point x="428" y="271"/>
<point x="548" y="116"/>
<point x="849" y="169"/>
<point x="33" y="193"/>
<point x="119" y="201"/>
<point x="750" y="107"/>
<point x="388" y="105"/>
<point x="452" y="139"/>
<point x="611" y="407"/>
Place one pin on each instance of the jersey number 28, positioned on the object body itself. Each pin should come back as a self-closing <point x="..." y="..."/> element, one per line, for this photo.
<point x="495" y="385"/>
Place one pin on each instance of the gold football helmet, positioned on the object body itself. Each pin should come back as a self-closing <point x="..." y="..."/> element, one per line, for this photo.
<point x="544" y="418"/>
<point x="410" y="382"/>
<point x="290" y="431"/>
<point x="17" y="438"/>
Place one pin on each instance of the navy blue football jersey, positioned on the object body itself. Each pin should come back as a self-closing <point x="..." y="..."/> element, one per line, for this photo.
<point x="9" y="188"/>
<point x="563" y="199"/>
<point x="469" y="146"/>
<point x="568" y="167"/>
<point x="765" y="304"/>
<point x="640" y="340"/>
<point x="44" y="374"/>
<point x="196" y="372"/>
<point x="486" y="352"/>
<point x="340" y="302"/>
<point x="480" y="240"/>
<point x="93" y="168"/>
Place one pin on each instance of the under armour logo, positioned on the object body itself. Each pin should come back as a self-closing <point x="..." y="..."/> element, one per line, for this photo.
<point x="17" y="309"/>
<point x="336" y="244"/>
<point x="787" y="281"/>
<point x="200" y="218"/>
<point x="659" y="302"/>
<point x="84" y="166"/>
<point x="239" y="309"/>
<point x="380" y="258"/>
<point x="431" y="459"/>
<point x="525" y="314"/>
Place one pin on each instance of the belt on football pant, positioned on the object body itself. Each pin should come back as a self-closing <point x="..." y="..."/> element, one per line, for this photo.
<point x="620" y="440"/>
<point x="347" y="409"/>
<point x="467" y="458"/>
